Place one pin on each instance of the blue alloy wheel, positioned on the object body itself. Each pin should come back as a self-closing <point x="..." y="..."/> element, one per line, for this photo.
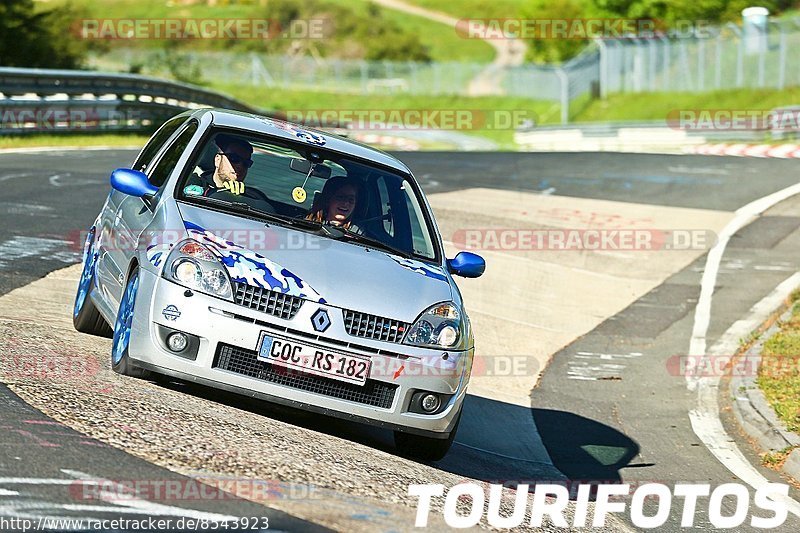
<point x="87" y="276"/>
<point x="85" y="316"/>
<point x="122" y="328"/>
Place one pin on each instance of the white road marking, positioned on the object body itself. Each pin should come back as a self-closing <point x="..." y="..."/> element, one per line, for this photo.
<point x="591" y="366"/>
<point x="55" y="179"/>
<point x="775" y="268"/>
<point x="705" y="417"/>
<point x="20" y="247"/>
<point x="109" y="493"/>
<point x="705" y="420"/>
<point x="742" y="217"/>
<point x="35" y="481"/>
<point x="683" y="169"/>
<point x="15" y="207"/>
<point x="134" y="505"/>
<point x="12" y="176"/>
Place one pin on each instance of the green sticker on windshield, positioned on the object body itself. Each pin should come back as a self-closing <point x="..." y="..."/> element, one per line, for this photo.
<point x="193" y="190"/>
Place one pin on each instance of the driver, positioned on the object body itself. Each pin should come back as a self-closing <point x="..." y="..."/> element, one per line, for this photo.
<point x="231" y="162"/>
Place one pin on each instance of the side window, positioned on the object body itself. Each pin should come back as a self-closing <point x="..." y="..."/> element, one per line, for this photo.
<point x="155" y="143"/>
<point x="167" y="163"/>
<point x="386" y="210"/>
<point x="420" y="238"/>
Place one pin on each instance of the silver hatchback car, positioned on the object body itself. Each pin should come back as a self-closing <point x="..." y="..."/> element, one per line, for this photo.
<point x="260" y="257"/>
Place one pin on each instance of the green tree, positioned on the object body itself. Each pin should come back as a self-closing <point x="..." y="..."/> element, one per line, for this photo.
<point x="545" y="49"/>
<point x="31" y="38"/>
<point x="669" y="12"/>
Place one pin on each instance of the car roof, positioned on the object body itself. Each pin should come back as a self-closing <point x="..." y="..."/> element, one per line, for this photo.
<point x="272" y="126"/>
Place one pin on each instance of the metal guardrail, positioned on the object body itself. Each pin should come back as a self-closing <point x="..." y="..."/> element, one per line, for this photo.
<point x="43" y="100"/>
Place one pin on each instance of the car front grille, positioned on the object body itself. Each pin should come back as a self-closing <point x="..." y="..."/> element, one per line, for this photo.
<point x="373" y="326"/>
<point x="246" y="363"/>
<point x="267" y="301"/>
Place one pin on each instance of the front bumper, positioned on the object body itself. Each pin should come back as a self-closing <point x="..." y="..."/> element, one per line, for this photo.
<point x="228" y="330"/>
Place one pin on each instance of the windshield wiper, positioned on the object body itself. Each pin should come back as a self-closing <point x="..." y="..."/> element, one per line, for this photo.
<point x="374" y="243"/>
<point x="240" y="207"/>
<point x="245" y="208"/>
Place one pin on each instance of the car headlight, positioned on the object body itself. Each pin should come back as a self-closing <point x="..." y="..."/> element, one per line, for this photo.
<point x="192" y="265"/>
<point x="440" y="326"/>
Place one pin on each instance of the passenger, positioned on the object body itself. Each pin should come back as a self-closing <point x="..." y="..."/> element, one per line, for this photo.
<point x="337" y="203"/>
<point x="231" y="162"/>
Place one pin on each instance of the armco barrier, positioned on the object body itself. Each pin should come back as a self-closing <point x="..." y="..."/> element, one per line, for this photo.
<point x="37" y="100"/>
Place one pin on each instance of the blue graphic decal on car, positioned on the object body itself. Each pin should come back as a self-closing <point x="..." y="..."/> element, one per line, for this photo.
<point x="246" y="266"/>
<point x="419" y="268"/>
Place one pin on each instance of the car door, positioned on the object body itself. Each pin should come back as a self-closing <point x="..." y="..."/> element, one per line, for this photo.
<point x="108" y="271"/>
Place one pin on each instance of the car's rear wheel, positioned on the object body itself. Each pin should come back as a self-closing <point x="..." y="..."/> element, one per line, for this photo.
<point x="424" y="448"/>
<point x="120" y="361"/>
<point x="85" y="316"/>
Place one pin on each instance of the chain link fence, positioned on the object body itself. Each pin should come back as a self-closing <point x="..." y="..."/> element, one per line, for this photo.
<point x="727" y="57"/>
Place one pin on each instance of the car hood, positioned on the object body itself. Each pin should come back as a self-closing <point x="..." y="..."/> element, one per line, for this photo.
<point x="317" y="268"/>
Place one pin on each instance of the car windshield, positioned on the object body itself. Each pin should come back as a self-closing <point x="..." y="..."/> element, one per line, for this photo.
<point x="298" y="185"/>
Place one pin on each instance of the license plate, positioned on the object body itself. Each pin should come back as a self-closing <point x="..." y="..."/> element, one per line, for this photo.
<point x="313" y="359"/>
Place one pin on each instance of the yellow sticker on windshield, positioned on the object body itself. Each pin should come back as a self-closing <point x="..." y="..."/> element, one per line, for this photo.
<point x="299" y="195"/>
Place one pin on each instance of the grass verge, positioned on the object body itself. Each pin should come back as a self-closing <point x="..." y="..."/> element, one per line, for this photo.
<point x="657" y="106"/>
<point x="486" y="107"/>
<point x="779" y="373"/>
<point x="69" y="139"/>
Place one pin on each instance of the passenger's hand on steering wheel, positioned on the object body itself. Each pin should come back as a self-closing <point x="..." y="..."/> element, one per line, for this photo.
<point x="234" y="187"/>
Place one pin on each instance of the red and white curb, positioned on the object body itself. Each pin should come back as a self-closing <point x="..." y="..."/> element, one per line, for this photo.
<point x="782" y="151"/>
<point x="389" y="141"/>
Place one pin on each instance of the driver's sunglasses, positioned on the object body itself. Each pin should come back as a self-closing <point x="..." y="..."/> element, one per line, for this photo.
<point x="236" y="159"/>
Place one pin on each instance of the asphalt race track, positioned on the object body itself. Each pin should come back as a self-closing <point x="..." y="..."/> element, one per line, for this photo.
<point x="608" y="407"/>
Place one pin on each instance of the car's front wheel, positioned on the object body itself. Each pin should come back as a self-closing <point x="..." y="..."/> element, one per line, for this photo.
<point x="424" y="448"/>
<point x="120" y="361"/>
<point x="85" y="316"/>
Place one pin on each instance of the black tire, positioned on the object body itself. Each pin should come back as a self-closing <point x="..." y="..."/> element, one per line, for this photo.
<point x="85" y="316"/>
<point x="424" y="448"/>
<point x="92" y="322"/>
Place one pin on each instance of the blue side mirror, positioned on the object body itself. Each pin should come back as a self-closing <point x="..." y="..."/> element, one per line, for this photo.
<point x="466" y="265"/>
<point x="132" y="182"/>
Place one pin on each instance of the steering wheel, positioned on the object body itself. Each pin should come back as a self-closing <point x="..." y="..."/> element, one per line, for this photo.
<point x="259" y="199"/>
